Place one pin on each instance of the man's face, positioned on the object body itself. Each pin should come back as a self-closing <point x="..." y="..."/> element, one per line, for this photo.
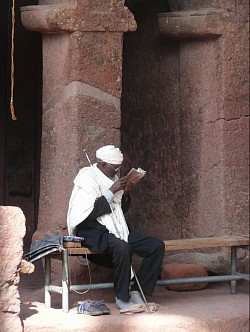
<point x="110" y="170"/>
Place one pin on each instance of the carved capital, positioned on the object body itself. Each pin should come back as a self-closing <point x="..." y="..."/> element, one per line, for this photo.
<point x="88" y="15"/>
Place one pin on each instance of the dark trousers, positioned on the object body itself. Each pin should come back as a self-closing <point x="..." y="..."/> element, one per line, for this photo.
<point x="151" y="249"/>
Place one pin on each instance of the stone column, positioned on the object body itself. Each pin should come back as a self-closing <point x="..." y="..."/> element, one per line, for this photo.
<point x="82" y="74"/>
<point x="213" y="81"/>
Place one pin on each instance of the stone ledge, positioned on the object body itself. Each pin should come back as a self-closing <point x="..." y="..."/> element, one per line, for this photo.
<point x="191" y="24"/>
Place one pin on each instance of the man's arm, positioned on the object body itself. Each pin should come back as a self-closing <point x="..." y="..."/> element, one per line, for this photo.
<point x="126" y="202"/>
<point x="101" y="207"/>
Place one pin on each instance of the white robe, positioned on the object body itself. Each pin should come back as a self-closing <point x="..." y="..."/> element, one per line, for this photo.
<point x="89" y="184"/>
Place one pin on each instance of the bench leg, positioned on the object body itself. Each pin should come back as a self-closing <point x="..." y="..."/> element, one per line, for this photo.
<point x="233" y="269"/>
<point x="65" y="281"/>
<point x="47" y="294"/>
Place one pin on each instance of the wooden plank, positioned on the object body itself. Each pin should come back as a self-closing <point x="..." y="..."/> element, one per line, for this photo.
<point x="208" y="242"/>
<point x="82" y="251"/>
<point x="184" y="244"/>
<point x="71" y="244"/>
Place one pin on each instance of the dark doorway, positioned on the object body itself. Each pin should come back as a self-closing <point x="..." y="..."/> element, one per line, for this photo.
<point x="20" y="140"/>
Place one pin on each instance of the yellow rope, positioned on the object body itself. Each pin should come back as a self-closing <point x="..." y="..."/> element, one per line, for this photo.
<point x="12" y="62"/>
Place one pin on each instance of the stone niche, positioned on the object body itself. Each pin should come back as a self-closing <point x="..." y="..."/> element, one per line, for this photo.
<point x="12" y="232"/>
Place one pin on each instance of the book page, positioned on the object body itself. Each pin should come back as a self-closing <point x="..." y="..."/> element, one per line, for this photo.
<point x="135" y="175"/>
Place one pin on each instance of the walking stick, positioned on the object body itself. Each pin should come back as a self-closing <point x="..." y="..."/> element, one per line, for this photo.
<point x="141" y="291"/>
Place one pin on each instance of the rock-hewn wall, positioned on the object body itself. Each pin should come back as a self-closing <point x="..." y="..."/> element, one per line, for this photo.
<point x="12" y="232"/>
<point x="150" y="122"/>
<point x="185" y="117"/>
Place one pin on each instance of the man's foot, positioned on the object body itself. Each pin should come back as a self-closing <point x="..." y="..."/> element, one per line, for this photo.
<point x="136" y="298"/>
<point x="123" y="304"/>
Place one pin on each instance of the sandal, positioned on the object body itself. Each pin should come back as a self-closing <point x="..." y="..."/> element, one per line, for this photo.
<point x="132" y="309"/>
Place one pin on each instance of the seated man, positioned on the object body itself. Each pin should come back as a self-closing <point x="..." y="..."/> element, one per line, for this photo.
<point x="96" y="212"/>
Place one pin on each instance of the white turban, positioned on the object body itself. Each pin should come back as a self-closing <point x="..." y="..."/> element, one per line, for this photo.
<point x="110" y="154"/>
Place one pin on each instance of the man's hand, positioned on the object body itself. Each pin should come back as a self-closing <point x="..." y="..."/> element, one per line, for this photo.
<point x="130" y="186"/>
<point x="119" y="185"/>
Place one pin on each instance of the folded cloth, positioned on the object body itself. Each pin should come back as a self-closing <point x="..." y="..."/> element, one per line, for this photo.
<point x="46" y="246"/>
<point x="87" y="308"/>
<point x="49" y="244"/>
<point x="71" y="238"/>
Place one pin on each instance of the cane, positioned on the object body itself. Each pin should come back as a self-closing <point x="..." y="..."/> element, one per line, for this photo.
<point x="141" y="291"/>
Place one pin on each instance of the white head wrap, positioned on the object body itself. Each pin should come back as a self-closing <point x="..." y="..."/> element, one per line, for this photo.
<point x="110" y="154"/>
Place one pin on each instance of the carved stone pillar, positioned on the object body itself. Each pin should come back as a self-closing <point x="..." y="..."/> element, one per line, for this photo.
<point x="82" y="73"/>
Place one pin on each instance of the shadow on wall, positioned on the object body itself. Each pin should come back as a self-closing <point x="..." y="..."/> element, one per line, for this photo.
<point x="151" y="122"/>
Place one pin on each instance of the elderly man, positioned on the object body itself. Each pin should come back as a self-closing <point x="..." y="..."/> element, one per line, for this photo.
<point x="96" y="212"/>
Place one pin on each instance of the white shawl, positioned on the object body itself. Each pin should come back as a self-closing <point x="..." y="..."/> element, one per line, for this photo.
<point x="89" y="184"/>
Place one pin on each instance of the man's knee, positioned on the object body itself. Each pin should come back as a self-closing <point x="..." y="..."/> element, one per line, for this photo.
<point x="160" y="246"/>
<point x="123" y="250"/>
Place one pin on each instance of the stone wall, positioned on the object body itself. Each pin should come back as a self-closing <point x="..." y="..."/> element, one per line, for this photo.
<point x="12" y="232"/>
<point x="185" y="117"/>
<point x="150" y="129"/>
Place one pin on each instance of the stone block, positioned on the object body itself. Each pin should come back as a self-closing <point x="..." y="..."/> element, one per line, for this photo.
<point x="12" y="231"/>
<point x="177" y="270"/>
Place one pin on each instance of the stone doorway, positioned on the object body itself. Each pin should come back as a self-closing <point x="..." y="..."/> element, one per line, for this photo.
<point x="20" y="139"/>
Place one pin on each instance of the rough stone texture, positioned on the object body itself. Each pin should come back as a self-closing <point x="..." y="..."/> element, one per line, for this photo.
<point x="177" y="270"/>
<point x="12" y="232"/>
<point x="87" y="15"/>
<point x="26" y="267"/>
<point x="188" y="126"/>
<point x="150" y="123"/>
<point x="231" y="6"/>
<point x="202" y="24"/>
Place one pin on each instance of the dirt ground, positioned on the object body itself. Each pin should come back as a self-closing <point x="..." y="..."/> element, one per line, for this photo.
<point x="212" y="309"/>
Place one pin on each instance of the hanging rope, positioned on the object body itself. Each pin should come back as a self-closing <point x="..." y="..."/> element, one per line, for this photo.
<point x="12" y="62"/>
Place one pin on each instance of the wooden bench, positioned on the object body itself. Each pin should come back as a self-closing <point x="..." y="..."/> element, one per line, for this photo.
<point x="75" y="249"/>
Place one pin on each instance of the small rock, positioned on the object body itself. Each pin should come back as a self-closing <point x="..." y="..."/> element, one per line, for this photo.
<point x="26" y="267"/>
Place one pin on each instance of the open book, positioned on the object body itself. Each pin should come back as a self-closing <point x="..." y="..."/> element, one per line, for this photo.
<point x="134" y="175"/>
